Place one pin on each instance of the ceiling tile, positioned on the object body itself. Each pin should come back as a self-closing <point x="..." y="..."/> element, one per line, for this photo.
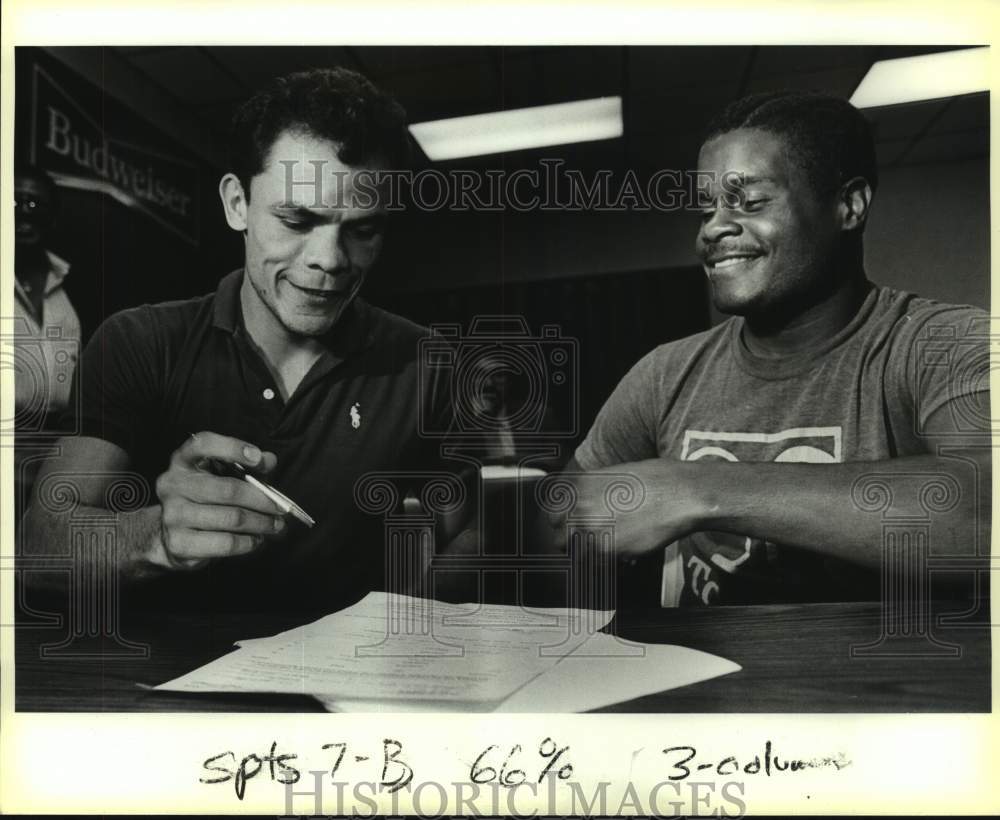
<point x="968" y="112"/>
<point x="680" y="111"/>
<point x="902" y="122"/>
<point x="560" y="75"/>
<point x="437" y="93"/>
<point x="188" y="74"/>
<point x="256" y="65"/>
<point x="950" y="147"/>
<point x="655" y="70"/>
<point x="130" y="50"/>
<point x="840" y="81"/>
<point x="381" y="62"/>
<point x="669" y="93"/>
<point x="772" y="60"/>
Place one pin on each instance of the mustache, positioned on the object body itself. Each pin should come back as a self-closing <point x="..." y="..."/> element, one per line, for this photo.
<point x="710" y="252"/>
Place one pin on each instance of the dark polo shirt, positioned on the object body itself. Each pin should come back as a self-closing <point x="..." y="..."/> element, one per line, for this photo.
<point x="156" y="373"/>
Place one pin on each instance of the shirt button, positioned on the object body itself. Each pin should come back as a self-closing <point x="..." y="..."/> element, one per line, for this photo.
<point x="268" y="394"/>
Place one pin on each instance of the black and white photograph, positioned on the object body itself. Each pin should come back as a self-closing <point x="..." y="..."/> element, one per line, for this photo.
<point x="477" y="380"/>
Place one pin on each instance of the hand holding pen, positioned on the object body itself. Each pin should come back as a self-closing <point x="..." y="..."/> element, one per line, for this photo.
<point x="206" y="515"/>
<point x="284" y="503"/>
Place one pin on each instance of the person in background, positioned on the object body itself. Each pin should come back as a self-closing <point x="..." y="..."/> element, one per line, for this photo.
<point x="46" y="326"/>
<point x="754" y="440"/>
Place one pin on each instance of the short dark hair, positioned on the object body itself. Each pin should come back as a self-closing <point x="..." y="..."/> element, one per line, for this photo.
<point x="830" y="138"/>
<point x="28" y="170"/>
<point x="333" y="104"/>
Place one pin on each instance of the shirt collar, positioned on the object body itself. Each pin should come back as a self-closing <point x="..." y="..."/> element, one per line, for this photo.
<point x="58" y="270"/>
<point x="58" y="267"/>
<point x="354" y="331"/>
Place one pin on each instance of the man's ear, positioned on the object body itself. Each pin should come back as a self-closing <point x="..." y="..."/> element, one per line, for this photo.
<point x="855" y="201"/>
<point x="234" y="202"/>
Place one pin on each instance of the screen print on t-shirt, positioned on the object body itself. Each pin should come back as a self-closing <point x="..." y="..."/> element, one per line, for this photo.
<point x="700" y="558"/>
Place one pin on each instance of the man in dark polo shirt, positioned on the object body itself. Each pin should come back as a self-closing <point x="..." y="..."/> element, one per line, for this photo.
<point x="284" y="370"/>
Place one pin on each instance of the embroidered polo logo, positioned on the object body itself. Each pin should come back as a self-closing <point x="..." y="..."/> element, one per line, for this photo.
<point x="355" y="415"/>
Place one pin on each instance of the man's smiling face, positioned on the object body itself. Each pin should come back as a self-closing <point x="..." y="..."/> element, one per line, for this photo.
<point x="775" y="250"/>
<point x="308" y="254"/>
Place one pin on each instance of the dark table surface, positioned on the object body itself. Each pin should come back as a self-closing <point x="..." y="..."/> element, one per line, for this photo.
<point x="795" y="658"/>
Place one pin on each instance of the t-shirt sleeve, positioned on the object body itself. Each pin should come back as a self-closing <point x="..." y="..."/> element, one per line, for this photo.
<point x="943" y="361"/>
<point x="626" y="426"/>
<point x="116" y="389"/>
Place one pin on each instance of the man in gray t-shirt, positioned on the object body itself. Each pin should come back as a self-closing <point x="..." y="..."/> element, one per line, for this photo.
<point x="834" y="388"/>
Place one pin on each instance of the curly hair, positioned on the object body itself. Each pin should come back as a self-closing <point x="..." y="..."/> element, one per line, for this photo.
<point x="828" y="137"/>
<point x="333" y="104"/>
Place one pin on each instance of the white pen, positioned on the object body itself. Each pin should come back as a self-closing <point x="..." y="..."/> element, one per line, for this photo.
<point x="285" y="504"/>
<point x="282" y="501"/>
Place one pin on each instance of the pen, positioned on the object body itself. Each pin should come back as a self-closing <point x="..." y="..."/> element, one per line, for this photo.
<point x="284" y="503"/>
<point x="281" y="501"/>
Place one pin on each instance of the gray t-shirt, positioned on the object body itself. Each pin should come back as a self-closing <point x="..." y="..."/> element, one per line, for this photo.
<point x="865" y="394"/>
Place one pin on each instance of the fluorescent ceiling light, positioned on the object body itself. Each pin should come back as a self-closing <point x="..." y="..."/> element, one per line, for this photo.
<point x="925" y="77"/>
<point x="521" y="128"/>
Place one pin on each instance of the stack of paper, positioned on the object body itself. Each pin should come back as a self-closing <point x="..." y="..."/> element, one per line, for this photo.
<point x="395" y="653"/>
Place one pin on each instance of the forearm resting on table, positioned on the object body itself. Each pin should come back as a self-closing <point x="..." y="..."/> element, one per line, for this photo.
<point x="138" y="546"/>
<point x="831" y="509"/>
